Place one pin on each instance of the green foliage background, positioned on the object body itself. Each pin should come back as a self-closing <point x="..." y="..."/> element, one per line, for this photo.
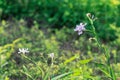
<point x="59" y="13"/>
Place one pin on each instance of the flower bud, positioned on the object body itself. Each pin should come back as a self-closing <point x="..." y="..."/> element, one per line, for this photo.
<point x="88" y="15"/>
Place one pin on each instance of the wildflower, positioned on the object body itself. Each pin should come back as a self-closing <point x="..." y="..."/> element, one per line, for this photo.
<point x="80" y="28"/>
<point x="23" y="50"/>
<point x="51" y="55"/>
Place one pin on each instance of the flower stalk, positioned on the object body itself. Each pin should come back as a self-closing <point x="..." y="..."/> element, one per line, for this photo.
<point x="105" y="51"/>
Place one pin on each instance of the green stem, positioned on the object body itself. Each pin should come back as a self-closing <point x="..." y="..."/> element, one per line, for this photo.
<point x="95" y="34"/>
<point x="112" y="74"/>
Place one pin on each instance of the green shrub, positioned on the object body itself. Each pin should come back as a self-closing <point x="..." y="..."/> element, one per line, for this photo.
<point x="65" y="12"/>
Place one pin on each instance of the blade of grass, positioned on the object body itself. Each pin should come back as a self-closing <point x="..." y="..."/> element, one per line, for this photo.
<point x="35" y="64"/>
<point x="61" y="76"/>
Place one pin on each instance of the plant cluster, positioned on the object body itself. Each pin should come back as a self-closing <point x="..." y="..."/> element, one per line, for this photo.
<point x="59" y="55"/>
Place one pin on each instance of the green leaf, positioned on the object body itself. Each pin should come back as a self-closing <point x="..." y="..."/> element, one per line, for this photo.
<point x="113" y="74"/>
<point x="26" y="72"/>
<point x="105" y="72"/>
<point x="85" y="61"/>
<point x="48" y="73"/>
<point x="100" y="64"/>
<point x="34" y="63"/>
<point x="61" y="76"/>
<point x="102" y="68"/>
<point x="71" y="59"/>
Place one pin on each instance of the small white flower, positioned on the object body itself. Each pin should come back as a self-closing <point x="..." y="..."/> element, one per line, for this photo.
<point x="51" y="55"/>
<point x="23" y="50"/>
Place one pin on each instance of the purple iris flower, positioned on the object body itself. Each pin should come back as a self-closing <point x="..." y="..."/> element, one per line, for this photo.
<point x="80" y="28"/>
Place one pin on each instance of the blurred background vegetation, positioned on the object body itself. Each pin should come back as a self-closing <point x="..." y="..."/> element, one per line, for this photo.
<point x="59" y="13"/>
<point x="46" y="26"/>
